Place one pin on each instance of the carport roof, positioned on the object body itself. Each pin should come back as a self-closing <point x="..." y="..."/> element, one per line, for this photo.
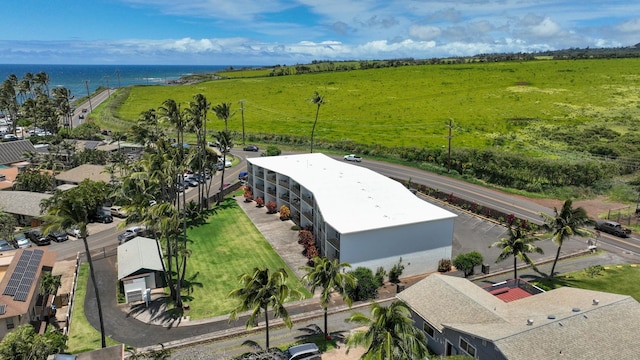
<point x="140" y="253"/>
<point x="353" y="198"/>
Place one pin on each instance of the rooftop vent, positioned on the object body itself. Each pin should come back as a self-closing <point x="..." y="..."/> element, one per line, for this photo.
<point x="575" y="309"/>
<point x="551" y="317"/>
<point x="596" y="301"/>
<point x="529" y="322"/>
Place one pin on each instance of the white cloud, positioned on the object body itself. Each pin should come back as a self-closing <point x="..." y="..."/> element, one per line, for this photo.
<point x="424" y="32"/>
<point x="631" y="26"/>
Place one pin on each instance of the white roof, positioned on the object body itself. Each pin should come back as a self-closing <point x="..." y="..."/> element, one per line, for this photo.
<point x="352" y="198"/>
<point x="137" y="254"/>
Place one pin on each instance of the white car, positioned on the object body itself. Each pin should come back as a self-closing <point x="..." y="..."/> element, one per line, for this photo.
<point x="352" y="157"/>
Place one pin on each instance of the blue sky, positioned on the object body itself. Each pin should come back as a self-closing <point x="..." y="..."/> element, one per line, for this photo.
<point x="268" y="32"/>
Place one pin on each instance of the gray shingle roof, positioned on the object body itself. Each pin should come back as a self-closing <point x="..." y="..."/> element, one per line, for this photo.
<point x="22" y="202"/>
<point x="579" y="329"/>
<point x="14" y="151"/>
<point x="86" y="171"/>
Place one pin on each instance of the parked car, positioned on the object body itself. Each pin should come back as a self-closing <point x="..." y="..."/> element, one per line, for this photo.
<point x="58" y="236"/>
<point x="5" y="246"/>
<point x="243" y="175"/>
<point x="193" y="182"/>
<point x="36" y="237"/>
<point x="131" y="233"/>
<point x="307" y="351"/>
<point x="11" y="137"/>
<point x="118" y="211"/>
<point x="352" y="157"/>
<point x="613" y="228"/>
<point x="21" y="241"/>
<point x="74" y="231"/>
<point x="101" y="218"/>
<point x="250" y="148"/>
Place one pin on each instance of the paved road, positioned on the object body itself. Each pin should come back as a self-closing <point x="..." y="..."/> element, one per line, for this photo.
<point x="96" y="99"/>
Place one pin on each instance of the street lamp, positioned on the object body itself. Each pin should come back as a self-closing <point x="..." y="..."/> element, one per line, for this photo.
<point x="86" y="84"/>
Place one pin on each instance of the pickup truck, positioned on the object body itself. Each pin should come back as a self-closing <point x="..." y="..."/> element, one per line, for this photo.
<point x="613" y="228"/>
<point x="352" y="157"/>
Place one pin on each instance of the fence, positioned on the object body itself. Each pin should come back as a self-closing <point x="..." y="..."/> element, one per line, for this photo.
<point x="626" y="215"/>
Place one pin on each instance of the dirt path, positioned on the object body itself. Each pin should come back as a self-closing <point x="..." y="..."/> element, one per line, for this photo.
<point x="596" y="208"/>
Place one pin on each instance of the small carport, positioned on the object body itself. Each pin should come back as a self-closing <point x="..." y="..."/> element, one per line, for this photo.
<point x="139" y="268"/>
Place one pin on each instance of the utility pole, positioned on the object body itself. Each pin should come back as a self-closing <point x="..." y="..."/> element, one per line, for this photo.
<point x="449" y="140"/>
<point x="118" y="75"/>
<point x="108" y="89"/>
<point x="86" y="84"/>
<point x="242" y="109"/>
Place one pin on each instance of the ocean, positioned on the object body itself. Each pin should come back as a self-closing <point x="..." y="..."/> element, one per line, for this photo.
<point x="73" y="76"/>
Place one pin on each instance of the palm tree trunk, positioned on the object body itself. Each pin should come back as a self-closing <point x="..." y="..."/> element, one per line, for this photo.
<point x="224" y="166"/>
<point x="553" y="268"/>
<point x="313" y="130"/>
<point x="266" y="323"/>
<point x="326" y="318"/>
<point x="515" y="267"/>
<point x="95" y="288"/>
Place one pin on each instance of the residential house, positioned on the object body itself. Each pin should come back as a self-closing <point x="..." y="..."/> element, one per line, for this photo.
<point x="459" y="317"/>
<point x="24" y="205"/>
<point x="87" y="171"/>
<point x="20" y="302"/>
<point x="13" y="157"/>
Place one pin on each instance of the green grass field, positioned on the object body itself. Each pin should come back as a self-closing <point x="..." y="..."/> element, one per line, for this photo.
<point x="512" y="104"/>
<point x="82" y="336"/>
<point x="617" y="279"/>
<point x="228" y="246"/>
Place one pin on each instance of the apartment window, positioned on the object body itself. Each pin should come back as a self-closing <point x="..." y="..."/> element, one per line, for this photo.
<point x="466" y="347"/>
<point x="428" y="329"/>
<point x="10" y="324"/>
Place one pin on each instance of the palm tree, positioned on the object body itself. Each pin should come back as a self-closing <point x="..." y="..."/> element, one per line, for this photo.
<point x="224" y="139"/>
<point x="390" y="335"/>
<point x="68" y="211"/>
<point x="260" y="290"/>
<point x="565" y="224"/>
<point x="223" y="112"/>
<point x="330" y="276"/>
<point x="518" y="244"/>
<point x="318" y="100"/>
<point x="49" y="283"/>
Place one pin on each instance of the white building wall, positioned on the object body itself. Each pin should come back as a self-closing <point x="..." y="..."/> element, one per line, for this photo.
<point x="420" y="245"/>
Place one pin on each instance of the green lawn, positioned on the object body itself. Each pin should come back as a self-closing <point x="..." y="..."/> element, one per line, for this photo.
<point x="514" y="105"/>
<point x="82" y="336"/>
<point x="228" y="246"/>
<point x="617" y="279"/>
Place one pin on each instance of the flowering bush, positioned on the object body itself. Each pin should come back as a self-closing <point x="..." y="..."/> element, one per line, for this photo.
<point x="285" y="213"/>
<point x="272" y="207"/>
<point x="259" y="202"/>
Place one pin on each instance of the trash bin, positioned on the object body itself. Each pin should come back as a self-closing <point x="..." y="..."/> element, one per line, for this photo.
<point x="485" y="268"/>
<point x="399" y="287"/>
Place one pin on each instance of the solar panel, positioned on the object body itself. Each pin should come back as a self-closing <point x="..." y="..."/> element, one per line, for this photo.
<point x="10" y="290"/>
<point x="23" y="275"/>
<point x="21" y="296"/>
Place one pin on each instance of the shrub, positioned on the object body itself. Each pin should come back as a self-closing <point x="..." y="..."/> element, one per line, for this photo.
<point x="272" y="151"/>
<point x="396" y="272"/>
<point x="305" y="237"/>
<point x="272" y="207"/>
<point x="594" y="270"/>
<point x="248" y="195"/>
<point x="259" y="202"/>
<point x="444" y="265"/>
<point x="285" y="213"/>
<point x="467" y="262"/>
<point x="380" y="275"/>
<point x="366" y="287"/>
